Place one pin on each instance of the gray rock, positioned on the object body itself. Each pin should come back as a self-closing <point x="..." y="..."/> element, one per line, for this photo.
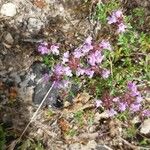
<point x="16" y="77"/>
<point x="41" y="87"/>
<point x="36" y="79"/>
<point x="34" y="24"/>
<point x="145" y="127"/>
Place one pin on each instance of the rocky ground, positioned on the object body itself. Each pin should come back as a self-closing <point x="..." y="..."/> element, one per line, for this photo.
<point x="23" y="24"/>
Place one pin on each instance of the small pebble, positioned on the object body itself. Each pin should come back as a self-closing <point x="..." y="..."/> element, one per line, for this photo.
<point x="9" y="39"/>
<point x="34" y="24"/>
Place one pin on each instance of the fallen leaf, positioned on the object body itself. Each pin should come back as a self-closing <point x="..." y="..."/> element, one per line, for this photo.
<point x="63" y="124"/>
<point x="1" y="85"/>
<point x="83" y="98"/>
<point x="39" y="3"/>
<point x="13" y="93"/>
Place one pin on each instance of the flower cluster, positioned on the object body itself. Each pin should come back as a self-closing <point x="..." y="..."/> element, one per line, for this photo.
<point x="83" y="61"/>
<point x="116" y="18"/>
<point x="45" y="48"/>
<point x="130" y="101"/>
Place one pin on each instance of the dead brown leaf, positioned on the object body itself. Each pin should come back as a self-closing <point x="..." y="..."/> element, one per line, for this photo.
<point x="63" y="124"/>
<point x="39" y="3"/>
<point x="13" y="93"/>
<point x="83" y="98"/>
<point x="1" y="85"/>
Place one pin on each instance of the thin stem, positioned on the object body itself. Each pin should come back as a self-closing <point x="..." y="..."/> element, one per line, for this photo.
<point x="36" y="112"/>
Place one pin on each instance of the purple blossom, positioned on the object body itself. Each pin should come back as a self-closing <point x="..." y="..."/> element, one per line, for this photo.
<point x="62" y="70"/>
<point x="114" y="18"/>
<point x="146" y="113"/>
<point x="98" y="103"/>
<point x="78" y="53"/>
<point x="105" y="73"/>
<point x="88" y="40"/>
<point x="105" y="45"/>
<point x="135" y="107"/>
<point x="122" y="106"/>
<point x="139" y="99"/>
<point x="95" y="58"/>
<point x="89" y="73"/>
<point x="65" y="57"/>
<point x="59" y="70"/>
<point x="54" y="49"/>
<point x="67" y="71"/>
<point x="58" y="84"/>
<point x="121" y="28"/>
<point x="112" y="112"/>
<point x="80" y="71"/>
<point x="133" y="88"/>
<point x="86" y="48"/>
<point x="43" y="48"/>
<point x="118" y="13"/>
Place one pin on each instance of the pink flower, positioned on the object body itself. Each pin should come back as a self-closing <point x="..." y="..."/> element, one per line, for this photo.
<point x="111" y="112"/>
<point x="91" y="59"/>
<point x="98" y="103"/>
<point x="78" y="53"/>
<point x="139" y="99"/>
<point x="54" y="49"/>
<point x="95" y="58"/>
<point x="135" y="107"/>
<point x="121" y="28"/>
<point x="105" y="45"/>
<point x="114" y="18"/>
<point x="43" y="48"/>
<point x="58" y="84"/>
<point x="89" y="73"/>
<point x="146" y="113"/>
<point x="65" y="57"/>
<point x="88" y="40"/>
<point x="80" y="71"/>
<point x="133" y="88"/>
<point x="87" y="46"/>
<point x="59" y="70"/>
<point x="98" y="57"/>
<point x="122" y="106"/>
<point x="118" y="13"/>
<point x="105" y="73"/>
<point x="67" y="71"/>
